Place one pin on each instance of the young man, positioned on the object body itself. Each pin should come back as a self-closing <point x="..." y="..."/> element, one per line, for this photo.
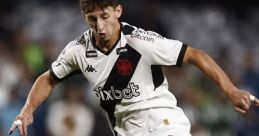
<point x="123" y="65"/>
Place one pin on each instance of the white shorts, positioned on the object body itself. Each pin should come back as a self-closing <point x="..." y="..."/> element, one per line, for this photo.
<point x="153" y="122"/>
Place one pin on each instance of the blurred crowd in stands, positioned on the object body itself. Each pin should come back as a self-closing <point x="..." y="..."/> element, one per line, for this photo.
<point x="33" y="33"/>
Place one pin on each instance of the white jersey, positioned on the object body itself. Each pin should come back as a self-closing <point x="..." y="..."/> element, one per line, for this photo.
<point x="127" y="78"/>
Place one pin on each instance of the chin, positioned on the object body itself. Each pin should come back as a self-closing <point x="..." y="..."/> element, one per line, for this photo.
<point x="105" y="40"/>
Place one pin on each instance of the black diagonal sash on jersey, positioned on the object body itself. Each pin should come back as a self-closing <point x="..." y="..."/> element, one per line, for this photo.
<point x="119" y="81"/>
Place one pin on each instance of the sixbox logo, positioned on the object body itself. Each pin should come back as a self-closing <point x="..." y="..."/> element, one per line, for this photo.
<point x="113" y="94"/>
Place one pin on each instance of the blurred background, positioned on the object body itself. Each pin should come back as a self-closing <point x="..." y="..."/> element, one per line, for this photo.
<point x="33" y="33"/>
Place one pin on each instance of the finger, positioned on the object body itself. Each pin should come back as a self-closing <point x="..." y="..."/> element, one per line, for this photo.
<point x="18" y="123"/>
<point x="240" y="110"/>
<point x="245" y="105"/>
<point x="13" y="127"/>
<point x="25" y="129"/>
<point x="10" y="132"/>
<point x="20" y="129"/>
<point x="252" y="98"/>
<point x="248" y="101"/>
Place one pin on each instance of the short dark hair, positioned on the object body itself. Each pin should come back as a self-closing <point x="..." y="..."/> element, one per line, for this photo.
<point x="90" y="5"/>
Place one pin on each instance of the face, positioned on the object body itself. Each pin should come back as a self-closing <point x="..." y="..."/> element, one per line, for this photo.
<point x="105" y="23"/>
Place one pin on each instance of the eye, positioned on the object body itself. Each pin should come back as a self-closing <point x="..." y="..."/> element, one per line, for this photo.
<point x="105" y="16"/>
<point x="92" y="19"/>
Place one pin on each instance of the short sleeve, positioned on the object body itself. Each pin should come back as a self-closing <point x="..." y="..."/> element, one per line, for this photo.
<point x="167" y="52"/>
<point x="157" y="50"/>
<point x="65" y="65"/>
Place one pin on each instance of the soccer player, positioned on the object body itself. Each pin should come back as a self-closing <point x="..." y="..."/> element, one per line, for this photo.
<point x="123" y="65"/>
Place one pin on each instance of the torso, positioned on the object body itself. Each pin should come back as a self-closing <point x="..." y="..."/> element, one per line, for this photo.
<point x="129" y="77"/>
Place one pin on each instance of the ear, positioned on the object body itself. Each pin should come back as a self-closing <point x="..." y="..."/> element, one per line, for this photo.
<point x="118" y="11"/>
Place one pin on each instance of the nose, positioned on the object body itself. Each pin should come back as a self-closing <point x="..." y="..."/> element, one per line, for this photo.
<point x="100" y="25"/>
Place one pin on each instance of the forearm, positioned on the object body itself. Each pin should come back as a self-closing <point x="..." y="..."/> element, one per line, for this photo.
<point x="209" y="67"/>
<point x="239" y="98"/>
<point x="41" y="89"/>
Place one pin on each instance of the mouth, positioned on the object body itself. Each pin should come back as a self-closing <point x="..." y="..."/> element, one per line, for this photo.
<point x="102" y="34"/>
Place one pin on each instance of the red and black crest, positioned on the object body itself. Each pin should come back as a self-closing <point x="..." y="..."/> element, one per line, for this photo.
<point x="124" y="67"/>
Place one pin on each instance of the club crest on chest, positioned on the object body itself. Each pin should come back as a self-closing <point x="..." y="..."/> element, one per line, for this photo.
<point x="124" y="67"/>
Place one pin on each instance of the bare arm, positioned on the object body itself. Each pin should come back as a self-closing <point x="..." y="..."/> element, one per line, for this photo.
<point x="239" y="98"/>
<point x="41" y="89"/>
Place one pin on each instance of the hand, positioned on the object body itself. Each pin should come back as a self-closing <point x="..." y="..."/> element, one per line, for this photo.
<point x="242" y="100"/>
<point x="22" y="121"/>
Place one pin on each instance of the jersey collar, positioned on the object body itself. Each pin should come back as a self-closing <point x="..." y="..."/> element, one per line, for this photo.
<point x="92" y="40"/>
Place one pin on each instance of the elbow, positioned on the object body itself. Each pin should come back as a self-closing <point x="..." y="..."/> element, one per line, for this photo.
<point x="193" y="56"/>
<point x="47" y="78"/>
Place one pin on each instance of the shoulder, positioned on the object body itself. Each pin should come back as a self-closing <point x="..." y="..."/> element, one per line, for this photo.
<point x="79" y="42"/>
<point x="137" y="35"/>
<point x="128" y="29"/>
<point x="75" y="47"/>
<point x="83" y="39"/>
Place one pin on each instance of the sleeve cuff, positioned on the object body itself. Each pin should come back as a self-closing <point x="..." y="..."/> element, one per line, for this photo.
<point x="181" y="55"/>
<point x="54" y="76"/>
